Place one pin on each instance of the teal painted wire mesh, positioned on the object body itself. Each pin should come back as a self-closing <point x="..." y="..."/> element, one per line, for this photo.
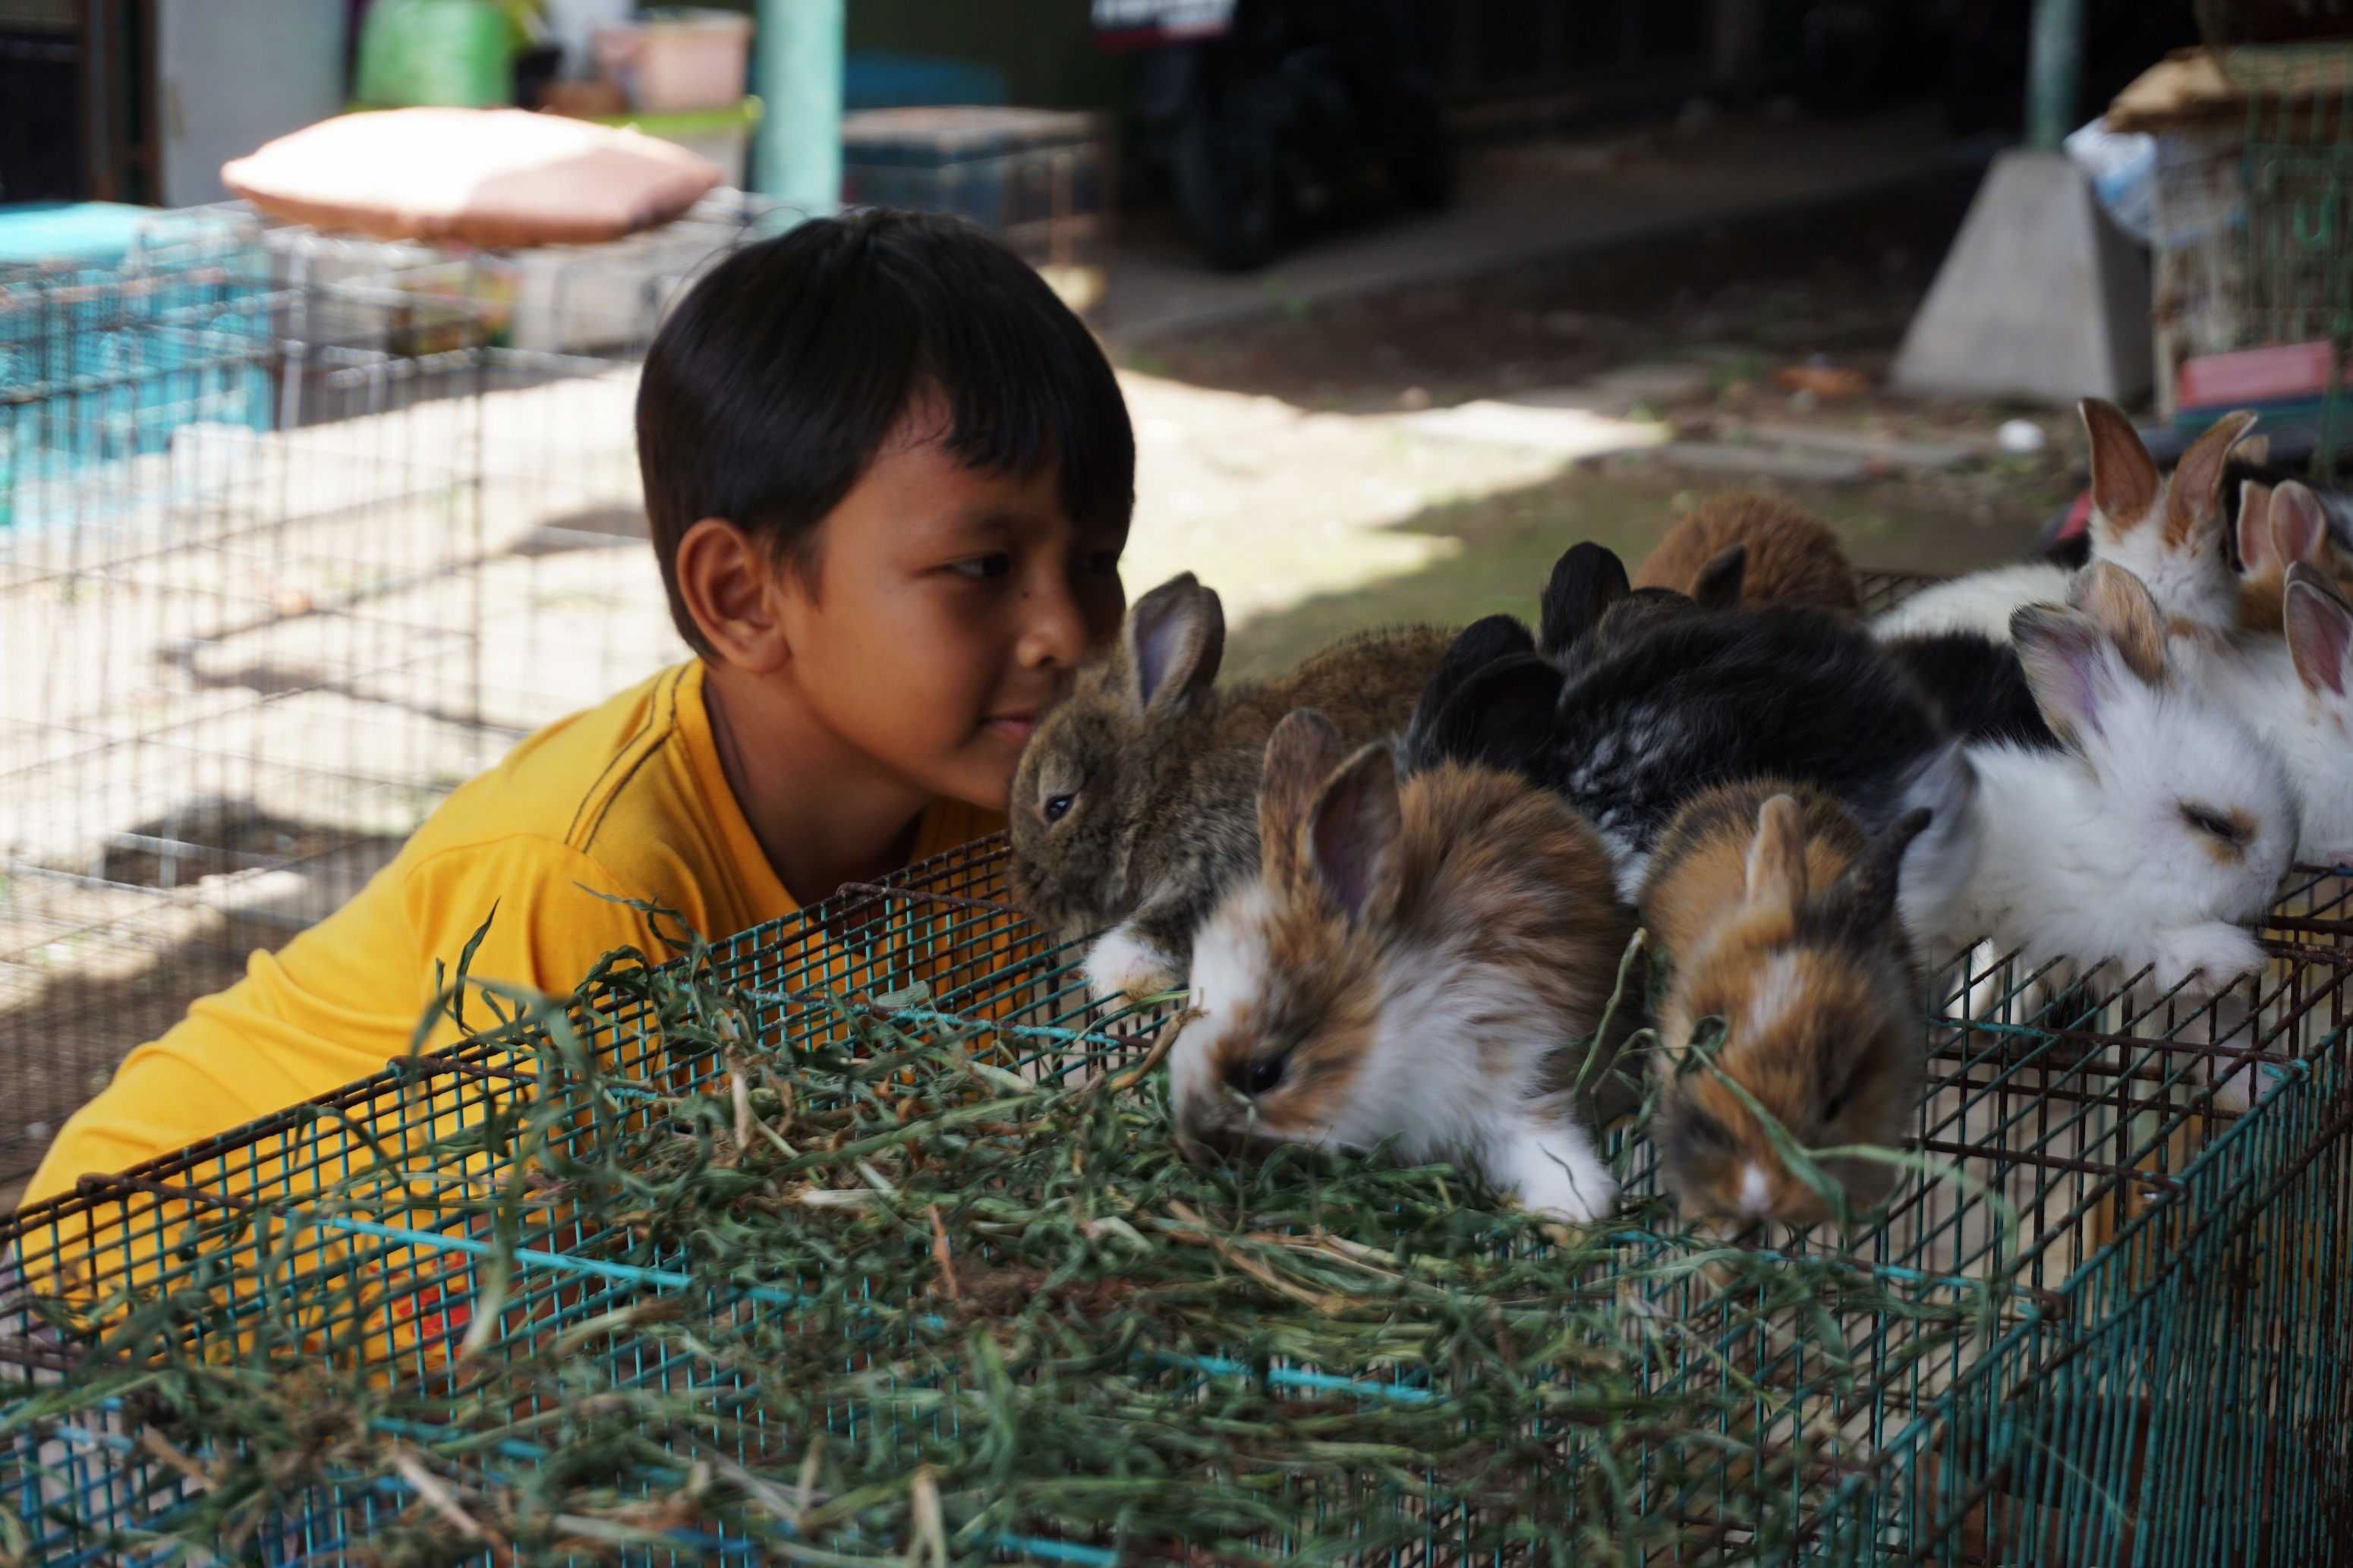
<point x="2159" y="1380"/>
<point x="2297" y="278"/>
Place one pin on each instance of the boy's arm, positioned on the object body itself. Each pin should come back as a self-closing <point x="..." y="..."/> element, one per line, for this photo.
<point x="343" y="997"/>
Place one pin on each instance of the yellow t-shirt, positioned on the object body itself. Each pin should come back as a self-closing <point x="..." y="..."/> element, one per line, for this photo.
<point x="627" y="798"/>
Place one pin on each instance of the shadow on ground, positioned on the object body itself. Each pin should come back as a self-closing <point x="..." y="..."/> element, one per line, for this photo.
<point x="1510" y="541"/>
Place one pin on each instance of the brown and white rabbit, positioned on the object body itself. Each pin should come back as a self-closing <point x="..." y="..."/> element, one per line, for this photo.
<point x="1789" y="556"/>
<point x="1408" y="963"/>
<point x="1132" y="806"/>
<point x="2277" y="528"/>
<point x="1779" y="919"/>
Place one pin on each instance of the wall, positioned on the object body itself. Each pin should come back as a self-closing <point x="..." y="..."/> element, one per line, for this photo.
<point x="232" y="74"/>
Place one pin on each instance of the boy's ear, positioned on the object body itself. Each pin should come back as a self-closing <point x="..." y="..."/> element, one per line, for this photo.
<point x="723" y="578"/>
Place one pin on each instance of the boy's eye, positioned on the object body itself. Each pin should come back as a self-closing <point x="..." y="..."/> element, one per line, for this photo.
<point x="1103" y="562"/>
<point x="985" y="567"/>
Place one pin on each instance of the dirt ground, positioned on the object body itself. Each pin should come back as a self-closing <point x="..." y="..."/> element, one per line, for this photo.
<point x="1763" y="311"/>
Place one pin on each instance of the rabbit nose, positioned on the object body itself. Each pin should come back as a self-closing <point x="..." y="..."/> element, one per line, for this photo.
<point x="1756" y="1192"/>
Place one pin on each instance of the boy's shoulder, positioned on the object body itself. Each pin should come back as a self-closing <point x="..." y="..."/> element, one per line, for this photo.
<point x="633" y="785"/>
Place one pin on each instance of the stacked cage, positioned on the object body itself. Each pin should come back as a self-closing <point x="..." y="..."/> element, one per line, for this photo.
<point x="2113" y="1329"/>
<point x="297" y="533"/>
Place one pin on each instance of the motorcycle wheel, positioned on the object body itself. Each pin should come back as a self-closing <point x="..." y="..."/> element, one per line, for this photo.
<point x="1229" y="177"/>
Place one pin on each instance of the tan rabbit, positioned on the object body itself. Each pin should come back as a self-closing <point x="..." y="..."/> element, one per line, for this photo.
<point x="1132" y="804"/>
<point x="1778" y="919"/>
<point x="1790" y="557"/>
<point x="2278" y="528"/>
<point x="1406" y="967"/>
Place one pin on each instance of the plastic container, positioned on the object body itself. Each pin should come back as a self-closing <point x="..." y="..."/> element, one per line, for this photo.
<point x="676" y="62"/>
<point x="884" y="79"/>
<point x="450" y="54"/>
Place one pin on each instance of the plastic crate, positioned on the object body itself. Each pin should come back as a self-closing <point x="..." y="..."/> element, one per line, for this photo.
<point x="2165" y="1382"/>
<point x="1038" y="178"/>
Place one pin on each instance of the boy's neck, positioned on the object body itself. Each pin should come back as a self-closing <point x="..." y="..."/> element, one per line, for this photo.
<point x="824" y="812"/>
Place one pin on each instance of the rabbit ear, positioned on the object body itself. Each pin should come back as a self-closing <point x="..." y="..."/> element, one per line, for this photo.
<point x="2319" y="631"/>
<point x="2194" y="501"/>
<point x="2123" y="607"/>
<point x="1717" y="587"/>
<point x="1867" y="887"/>
<point x="1351" y="840"/>
<point x="1584" y="581"/>
<point x="1777" y="857"/>
<point x="1176" y="637"/>
<point x="2299" y="531"/>
<point x="2070" y="667"/>
<point x="2124" y="475"/>
<point x="1501" y="716"/>
<point x="1303" y="753"/>
<point x="2256" y="557"/>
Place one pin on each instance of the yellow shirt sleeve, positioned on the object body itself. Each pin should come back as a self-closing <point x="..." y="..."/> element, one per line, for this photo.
<point x="344" y="997"/>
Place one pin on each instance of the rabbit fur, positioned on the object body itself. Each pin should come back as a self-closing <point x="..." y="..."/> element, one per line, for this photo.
<point x="2155" y="831"/>
<point x="1779" y="919"/>
<point x="1790" y="556"/>
<point x="1404" y="969"/>
<point x="1130" y="808"/>
<point x="1696" y="700"/>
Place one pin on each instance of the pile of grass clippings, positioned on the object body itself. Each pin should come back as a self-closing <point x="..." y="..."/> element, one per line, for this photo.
<point x="873" y="1293"/>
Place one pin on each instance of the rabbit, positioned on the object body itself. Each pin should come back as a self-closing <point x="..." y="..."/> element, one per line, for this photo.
<point x="1412" y="956"/>
<point x="1591" y="610"/>
<point x="1131" y="806"/>
<point x="1976" y="685"/>
<point x="2168" y="531"/>
<point x="2277" y="528"/>
<point x="1778" y="918"/>
<point x="1694" y="701"/>
<point x="2153" y="833"/>
<point x="2291" y="688"/>
<point x="1789" y="556"/>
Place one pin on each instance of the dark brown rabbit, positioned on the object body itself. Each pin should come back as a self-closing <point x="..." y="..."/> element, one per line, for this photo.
<point x="1791" y="557"/>
<point x="1778" y="918"/>
<point x="1134" y="805"/>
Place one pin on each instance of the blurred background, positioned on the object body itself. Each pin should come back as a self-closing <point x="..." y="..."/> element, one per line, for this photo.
<point x="316" y="484"/>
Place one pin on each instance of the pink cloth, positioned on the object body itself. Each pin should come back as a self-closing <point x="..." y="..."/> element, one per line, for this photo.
<point x="484" y="176"/>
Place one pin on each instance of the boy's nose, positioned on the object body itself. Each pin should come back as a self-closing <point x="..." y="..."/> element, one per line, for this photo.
<point x="1054" y="633"/>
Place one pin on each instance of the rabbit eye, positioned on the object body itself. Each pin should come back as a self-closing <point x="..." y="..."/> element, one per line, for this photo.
<point x="1834" y="1106"/>
<point x="1057" y="807"/>
<point x="2229" y="829"/>
<point x="1259" y="1076"/>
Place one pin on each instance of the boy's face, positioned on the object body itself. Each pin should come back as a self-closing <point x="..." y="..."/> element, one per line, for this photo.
<point x="943" y="613"/>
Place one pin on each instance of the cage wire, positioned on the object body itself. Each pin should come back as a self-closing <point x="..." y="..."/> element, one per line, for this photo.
<point x="503" y="1301"/>
<point x="298" y="532"/>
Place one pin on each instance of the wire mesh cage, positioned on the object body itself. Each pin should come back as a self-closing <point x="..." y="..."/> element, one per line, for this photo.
<point x="2120" y="1334"/>
<point x="293" y="540"/>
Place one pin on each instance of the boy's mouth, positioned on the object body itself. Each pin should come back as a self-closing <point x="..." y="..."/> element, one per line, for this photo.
<point x="1014" y="727"/>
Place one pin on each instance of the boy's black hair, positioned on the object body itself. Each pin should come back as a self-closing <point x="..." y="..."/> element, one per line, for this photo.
<point x="767" y="391"/>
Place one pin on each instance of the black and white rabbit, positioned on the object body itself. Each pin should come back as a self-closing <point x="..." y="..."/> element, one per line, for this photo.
<point x="1684" y="702"/>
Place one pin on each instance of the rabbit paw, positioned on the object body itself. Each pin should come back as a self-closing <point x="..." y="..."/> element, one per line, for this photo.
<point x="1553" y="1170"/>
<point x="1122" y="965"/>
<point x="2209" y="957"/>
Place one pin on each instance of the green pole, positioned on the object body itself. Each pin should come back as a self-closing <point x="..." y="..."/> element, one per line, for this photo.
<point x="2054" y="73"/>
<point x="800" y="148"/>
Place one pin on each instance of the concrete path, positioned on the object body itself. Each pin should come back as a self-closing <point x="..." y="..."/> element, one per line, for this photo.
<point x="1524" y="204"/>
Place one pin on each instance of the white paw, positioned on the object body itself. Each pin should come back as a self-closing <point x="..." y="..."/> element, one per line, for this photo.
<point x="1118" y="966"/>
<point x="1553" y="1168"/>
<point x="2209" y="957"/>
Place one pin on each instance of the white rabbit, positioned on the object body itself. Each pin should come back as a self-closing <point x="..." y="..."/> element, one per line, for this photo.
<point x="2292" y="691"/>
<point x="2153" y="830"/>
<point x="2167" y="531"/>
<point x="1405" y="966"/>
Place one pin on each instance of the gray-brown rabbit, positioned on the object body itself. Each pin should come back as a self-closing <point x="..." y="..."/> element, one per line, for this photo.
<point x="1134" y="806"/>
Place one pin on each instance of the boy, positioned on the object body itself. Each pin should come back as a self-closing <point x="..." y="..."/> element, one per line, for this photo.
<point x="888" y="476"/>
